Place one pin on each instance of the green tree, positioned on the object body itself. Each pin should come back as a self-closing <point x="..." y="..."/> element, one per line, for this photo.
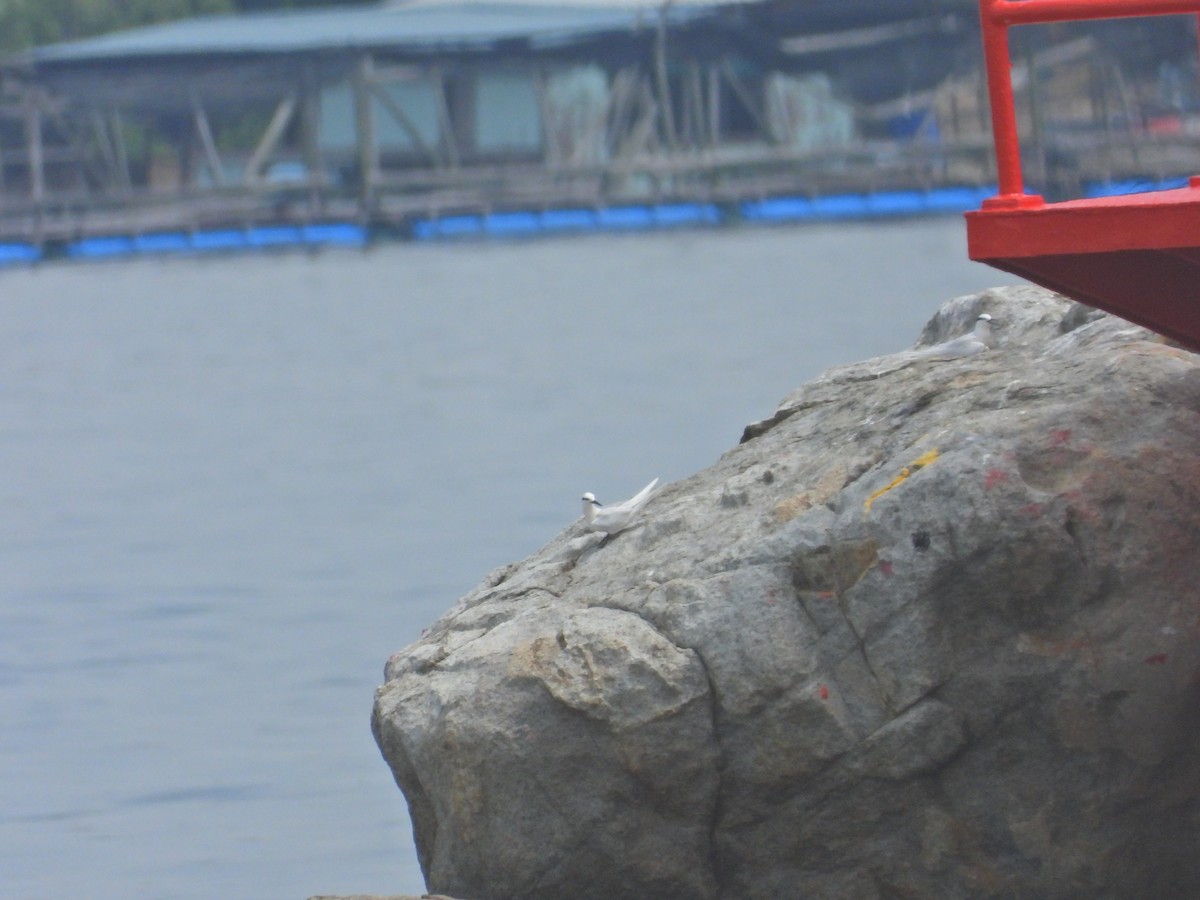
<point x="24" y="23"/>
<point x="264" y="5"/>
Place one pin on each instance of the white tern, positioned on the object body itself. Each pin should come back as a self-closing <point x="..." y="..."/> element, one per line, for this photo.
<point x="618" y="516"/>
<point x="968" y="344"/>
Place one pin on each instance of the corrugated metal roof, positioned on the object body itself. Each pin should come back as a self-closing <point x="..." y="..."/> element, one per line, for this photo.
<point x="414" y="26"/>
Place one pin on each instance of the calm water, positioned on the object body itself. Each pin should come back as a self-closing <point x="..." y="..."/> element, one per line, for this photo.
<point x="230" y="488"/>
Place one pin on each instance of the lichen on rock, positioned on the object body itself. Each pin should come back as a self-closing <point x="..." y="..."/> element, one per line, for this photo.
<point x="931" y="629"/>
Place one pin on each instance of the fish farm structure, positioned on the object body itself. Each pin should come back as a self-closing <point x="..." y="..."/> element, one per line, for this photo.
<point x="434" y="119"/>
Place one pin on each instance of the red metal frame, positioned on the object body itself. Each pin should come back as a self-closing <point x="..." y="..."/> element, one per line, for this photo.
<point x="1137" y="256"/>
<point x="995" y="18"/>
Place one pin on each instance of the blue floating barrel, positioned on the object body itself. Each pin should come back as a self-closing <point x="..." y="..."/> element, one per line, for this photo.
<point x="342" y="234"/>
<point x="450" y="226"/>
<point x="273" y="236"/>
<point x="162" y="242"/>
<point x="674" y="214"/>
<point x="957" y="199"/>
<point x="11" y="254"/>
<point x="222" y="239"/>
<point x="512" y="223"/>
<point x="568" y="219"/>
<point x="896" y="203"/>
<point x="841" y="206"/>
<point x="100" y="247"/>
<point x="778" y="209"/>
<point x="425" y="229"/>
<point x="624" y="217"/>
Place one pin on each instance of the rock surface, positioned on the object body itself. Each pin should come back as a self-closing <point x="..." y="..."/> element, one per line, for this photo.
<point x="931" y="630"/>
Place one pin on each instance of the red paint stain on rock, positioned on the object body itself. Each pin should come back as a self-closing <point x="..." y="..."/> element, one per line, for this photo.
<point x="1156" y="660"/>
<point x="993" y="478"/>
<point x="824" y="692"/>
<point x="1059" y="436"/>
<point x="885" y="567"/>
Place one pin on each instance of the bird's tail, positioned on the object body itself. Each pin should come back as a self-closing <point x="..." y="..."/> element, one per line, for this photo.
<point x="643" y="496"/>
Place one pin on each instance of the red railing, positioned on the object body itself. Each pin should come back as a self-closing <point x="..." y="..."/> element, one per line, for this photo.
<point x="995" y="17"/>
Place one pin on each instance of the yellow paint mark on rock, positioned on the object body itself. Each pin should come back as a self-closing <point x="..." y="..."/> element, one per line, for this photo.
<point x="925" y="459"/>
<point x="831" y="480"/>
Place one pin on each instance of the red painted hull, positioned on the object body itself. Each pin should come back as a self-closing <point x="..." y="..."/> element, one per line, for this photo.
<point x="1137" y="256"/>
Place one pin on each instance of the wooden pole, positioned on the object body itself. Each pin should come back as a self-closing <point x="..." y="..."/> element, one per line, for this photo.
<point x="699" y="108"/>
<point x="551" y="152"/>
<point x="714" y="107"/>
<point x="120" y="150"/>
<point x="446" y="120"/>
<point x="101" y="132"/>
<point x="204" y="130"/>
<point x="368" y="158"/>
<point x="33" y="134"/>
<point x="270" y="138"/>
<point x="663" y="80"/>
<point x="402" y="118"/>
<point x="743" y="94"/>
<point x="310" y="136"/>
<point x="622" y="108"/>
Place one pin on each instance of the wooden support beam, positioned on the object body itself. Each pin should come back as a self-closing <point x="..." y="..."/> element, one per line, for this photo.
<point x="695" y="94"/>
<point x="748" y="100"/>
<point x="643" y="130"/>
<point x="687" y="118"/>
<point x="33" y="137"/>
<point x="622" y="102"/>
<point x="109" y="138"/>
<point x="368" y="149"/>
<point x="396" y="111"/>
<point x="310" y="137"/>
<point x="593" y="135"/>
<point x="618" y="100"/>
<point x="120" y="150"/>
<point x="714" y="106"/>
<point x="204" y="131"/>
<point x="76" y="151"/>
<point x="664" y="82"/>
<point x="446" y="121"/>
<point x="552" y="154"/>
<point x="280" y="120"/>
<point x="100" y="132"/>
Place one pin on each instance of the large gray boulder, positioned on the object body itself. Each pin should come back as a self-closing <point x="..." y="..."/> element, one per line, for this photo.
<point x="931" y="630"/>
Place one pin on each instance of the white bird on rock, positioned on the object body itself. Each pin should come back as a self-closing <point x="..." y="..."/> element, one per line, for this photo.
<point x="618" y="516"/>
<point x="968" y="344"/>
